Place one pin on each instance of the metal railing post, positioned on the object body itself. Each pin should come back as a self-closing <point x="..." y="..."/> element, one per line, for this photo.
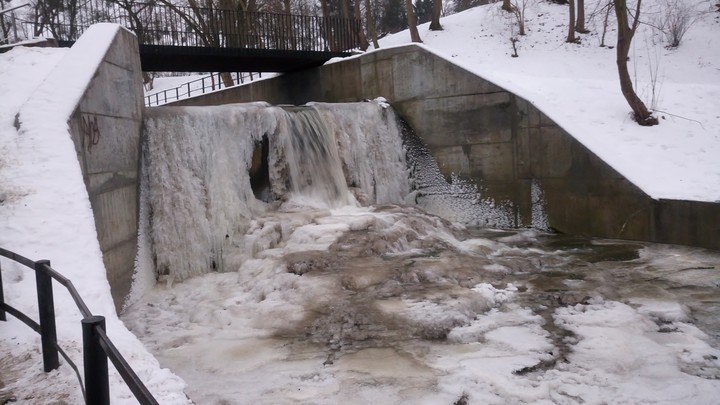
<point x="97" y="346"/>
<point x="3" y="317"/>
<point x="97" y="386"/>
<point x="46" y="309"/>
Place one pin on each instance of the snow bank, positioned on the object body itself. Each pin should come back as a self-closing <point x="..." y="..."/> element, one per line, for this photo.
<point x="46" y="214"/>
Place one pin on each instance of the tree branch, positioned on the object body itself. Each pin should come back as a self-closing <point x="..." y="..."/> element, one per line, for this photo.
<point x="636" y="17"/>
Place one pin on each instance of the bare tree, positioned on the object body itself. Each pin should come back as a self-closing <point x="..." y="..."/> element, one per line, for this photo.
<point x="362" y="39"/>
<point x="626" y="31"/>
<point x="216" y="25"/>
<point x="57" y="18"/>
<point x="507" y="6"/>
<point x="412" y="21"/>
<point x="580" y="20"/>
<point x="571" y="25"/>
<point x="675" y="20"/>
<point x="345" y="8"/>
<point x="372" y="30"/>
<point x="518" y="8"/>
<point x="608" y="8"/>
<point x="324" y="8"/>
<point x="329" y="37"/>
<point x="437" y="10"/>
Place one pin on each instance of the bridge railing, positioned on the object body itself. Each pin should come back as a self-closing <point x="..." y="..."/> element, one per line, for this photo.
<point x="195" y="87"/>
<point x="170" y="25"/>
<point x="97" y="346"/>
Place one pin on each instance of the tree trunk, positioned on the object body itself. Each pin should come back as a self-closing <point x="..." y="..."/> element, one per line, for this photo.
<point x="571" y="24"/>
<point x="345" y="38"/>
<point x="412" y="21"/>
<point x="362" y="39"/>
<point x="625" y="36"/>
<point x="580" y="22"/>
<point x="605" y="24"/>
<point x="329" y="38"/>
<point x="371" y="24"/>
<point x="507" y="6"/>
<point x="344" y="9"/>
<point x="519" y="12"/>
<point x="290" y="39"/>
<point x="227" y="79"/>
<point x="148" y="79"/>
<point x="435" y="21"/>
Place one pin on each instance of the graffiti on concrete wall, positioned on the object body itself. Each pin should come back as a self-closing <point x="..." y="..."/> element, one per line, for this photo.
<point x="90" y="132"/>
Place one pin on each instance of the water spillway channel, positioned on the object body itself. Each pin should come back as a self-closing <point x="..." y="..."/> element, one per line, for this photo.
<point x="315" y="255"/>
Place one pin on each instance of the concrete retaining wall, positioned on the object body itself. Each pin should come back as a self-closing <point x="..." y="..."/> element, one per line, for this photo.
<point x="482" y="132"/>
<point x="106" y="130"/>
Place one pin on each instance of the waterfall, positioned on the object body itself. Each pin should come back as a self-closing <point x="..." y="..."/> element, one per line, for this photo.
<point x="201" y="164"/>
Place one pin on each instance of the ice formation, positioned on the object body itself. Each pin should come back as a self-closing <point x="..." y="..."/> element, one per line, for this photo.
<point x="209" y="170"/>
<point x="198" y="162"/>
<point x="456" y="200"/>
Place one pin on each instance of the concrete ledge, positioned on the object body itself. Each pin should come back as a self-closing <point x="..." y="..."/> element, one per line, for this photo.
<point x="502" y="142"/>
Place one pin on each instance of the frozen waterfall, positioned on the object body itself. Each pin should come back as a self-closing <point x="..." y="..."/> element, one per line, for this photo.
<point x="201" y="163"/>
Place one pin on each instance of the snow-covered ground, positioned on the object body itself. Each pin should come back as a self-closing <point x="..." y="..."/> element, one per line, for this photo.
<point x="577" y="86"/>
<point x="490" y="317"/>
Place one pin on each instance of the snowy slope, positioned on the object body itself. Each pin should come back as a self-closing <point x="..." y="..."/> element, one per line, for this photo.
<point x="45" y="213"/>
<point x="576" y="85"/>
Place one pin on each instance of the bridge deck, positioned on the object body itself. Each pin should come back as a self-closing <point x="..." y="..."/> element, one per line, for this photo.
<point x="168" y="58"/>
<point x="202" y="59"/>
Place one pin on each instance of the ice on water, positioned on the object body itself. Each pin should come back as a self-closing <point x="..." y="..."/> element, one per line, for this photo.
<point x="335" y="290"/>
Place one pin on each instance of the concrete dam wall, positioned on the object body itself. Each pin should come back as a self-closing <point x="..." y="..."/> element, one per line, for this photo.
<point x="482" y="132"/>
<point x="473" y="128"/>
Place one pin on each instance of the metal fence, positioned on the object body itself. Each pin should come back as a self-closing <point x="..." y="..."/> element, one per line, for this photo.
<point x="198" y="86"/>
<point x="169" y="25"/>
<point x="97" y="346"/>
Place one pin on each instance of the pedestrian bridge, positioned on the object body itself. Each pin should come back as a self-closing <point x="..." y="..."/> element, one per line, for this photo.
<point x="208" y="39"/>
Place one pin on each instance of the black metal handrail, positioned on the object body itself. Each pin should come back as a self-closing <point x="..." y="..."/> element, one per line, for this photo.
<point x="169" y="25"/>
<point x="97" y="346"/>
<point x="186" y="90"/>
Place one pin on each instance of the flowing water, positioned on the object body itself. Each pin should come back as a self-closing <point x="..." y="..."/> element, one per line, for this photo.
<point x="329" y="281"/>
